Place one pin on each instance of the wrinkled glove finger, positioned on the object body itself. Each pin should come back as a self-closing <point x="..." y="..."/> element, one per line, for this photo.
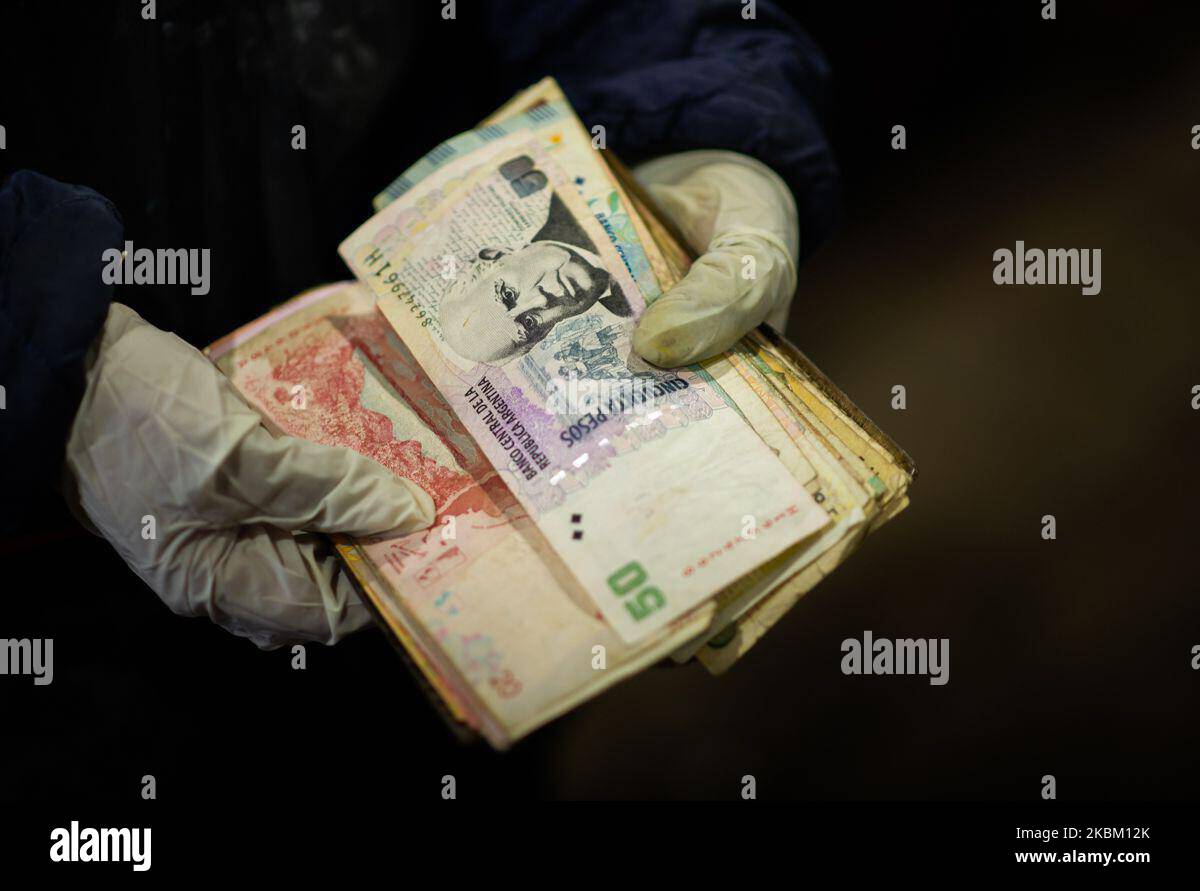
<point x="728" y="291"/>
<point x="295" y="484"/>
<point x="158" y="409"/>
<point x="260" y="583"/>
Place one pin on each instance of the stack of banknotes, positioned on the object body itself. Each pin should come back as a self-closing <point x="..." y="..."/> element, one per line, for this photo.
<point x="595" y="514"/>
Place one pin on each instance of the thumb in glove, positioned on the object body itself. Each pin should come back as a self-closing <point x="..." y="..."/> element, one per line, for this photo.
<point x="740" y="216"/>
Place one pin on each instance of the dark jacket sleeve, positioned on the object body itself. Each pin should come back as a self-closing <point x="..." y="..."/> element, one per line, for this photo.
<point x="674" y="75"/>
<point x="52" y="304"/>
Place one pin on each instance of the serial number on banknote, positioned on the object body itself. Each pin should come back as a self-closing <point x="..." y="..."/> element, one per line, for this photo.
<point x="397" y="287"/>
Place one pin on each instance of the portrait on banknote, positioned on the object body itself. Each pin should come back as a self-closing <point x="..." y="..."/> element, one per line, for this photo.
<point x="509" y="299"/>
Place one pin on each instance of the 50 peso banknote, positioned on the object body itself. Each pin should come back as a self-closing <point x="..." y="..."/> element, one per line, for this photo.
<point x="515" y="300"/>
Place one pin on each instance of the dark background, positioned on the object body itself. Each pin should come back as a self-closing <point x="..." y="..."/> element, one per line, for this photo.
<point x="1069" y="657"/>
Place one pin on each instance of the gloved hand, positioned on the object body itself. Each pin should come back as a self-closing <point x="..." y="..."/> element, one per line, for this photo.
<point x="161" y="434"/>
<point x="740" y="217"/>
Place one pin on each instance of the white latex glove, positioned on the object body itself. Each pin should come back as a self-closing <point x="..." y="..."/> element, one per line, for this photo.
<point x="740" y="217"/>
<point x="161" y="433"/>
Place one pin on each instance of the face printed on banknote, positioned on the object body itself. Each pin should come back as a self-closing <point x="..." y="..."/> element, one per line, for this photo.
<point x="510" y="300"/>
